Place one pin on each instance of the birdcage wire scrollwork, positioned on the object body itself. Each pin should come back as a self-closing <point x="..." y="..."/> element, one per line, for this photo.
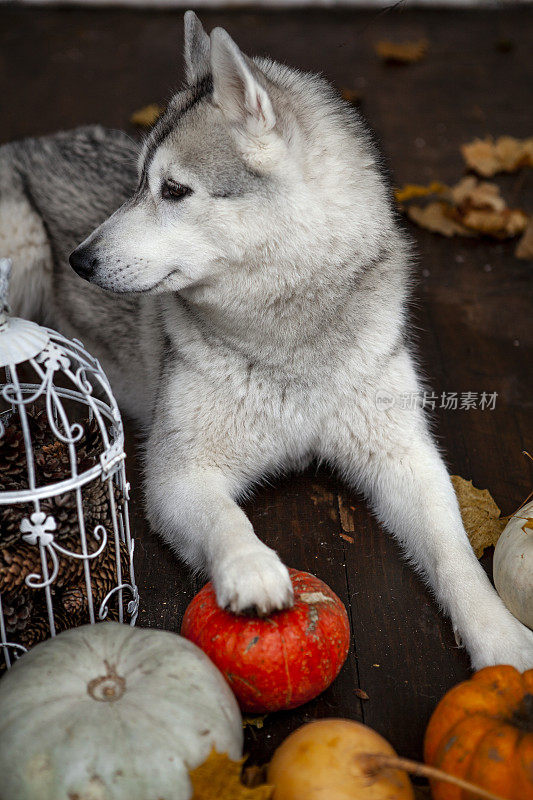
<point x="54" y="382"/>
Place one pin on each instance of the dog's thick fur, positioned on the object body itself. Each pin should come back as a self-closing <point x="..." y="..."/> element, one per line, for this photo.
<point x="255" y="307"/>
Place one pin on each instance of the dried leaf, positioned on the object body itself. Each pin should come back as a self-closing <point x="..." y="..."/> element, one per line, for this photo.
<point x="499" y="224"/>
<point x="351" y="96"/>
<point x="411" y="190"/>
<point x="438" y="217"/>
<point x="219" y="778"/>
<point x="524" y="248"/>
<point x="147" y="116"/>
<point x="472" y="207"/>
<point x="404" y="53"/>
<point x="361" y="694"/>
<point x="346" y="516"/>
<point x="254" y="722"/>
<point x="471" y="192"/>
<point x="506" y="154"/>
<point x="480" y="514"/>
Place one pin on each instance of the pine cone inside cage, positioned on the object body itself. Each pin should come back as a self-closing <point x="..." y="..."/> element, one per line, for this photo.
<point x="13" y="470"/>
<point x="26" y="607"/>
<point x="18" y="559"/>
<point x="38" y="628"/>
<point x="52" y="459"/>
<point x="104" y="578"/>
<point x="17" y="611"/>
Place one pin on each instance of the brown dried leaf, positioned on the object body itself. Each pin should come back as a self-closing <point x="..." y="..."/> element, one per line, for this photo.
<point x="404" y="53"/>
<point x="346" y="515"/>
<point x="524" y="248"/>
<point x="147" y="116"/>
<point x="438" y="217"/>
<point x="219" y="778"/>
<point x="472" y="207"/>
<point x="351" y="96"/>
<point x="480" y="514"/>
<point x="361" y="694"/>
<point x="471" y="192"/>
<point x="499" y="224"/>
<point x="506" y="154"/>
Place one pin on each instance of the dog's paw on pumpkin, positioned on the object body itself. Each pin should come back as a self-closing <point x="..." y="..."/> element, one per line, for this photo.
<point x="254" y="581"/>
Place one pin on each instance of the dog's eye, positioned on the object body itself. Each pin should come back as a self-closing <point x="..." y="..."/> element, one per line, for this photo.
<point x="171" y="190"/>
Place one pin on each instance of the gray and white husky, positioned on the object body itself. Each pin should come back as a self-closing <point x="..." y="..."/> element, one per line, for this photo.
<point x="248" y="301"/>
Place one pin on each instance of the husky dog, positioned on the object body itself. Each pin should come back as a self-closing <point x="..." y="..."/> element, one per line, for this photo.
<point x="248" y="301"/>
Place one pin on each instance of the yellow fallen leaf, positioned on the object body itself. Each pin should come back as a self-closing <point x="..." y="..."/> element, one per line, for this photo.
<point x="480" y="514"/>
<point x="506" y="154"/>
<point x="438" y="217"/>
<point x="401" y="53"/>
<point x="147" y="116"/>
<point x="219" y="778"/>
<point x="524" y="248"/>
<point x="411" y="190"/>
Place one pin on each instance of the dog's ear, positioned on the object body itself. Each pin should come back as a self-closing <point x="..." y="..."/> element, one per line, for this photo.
<point x="196" y="48"/>
<point x="235" y="89"/>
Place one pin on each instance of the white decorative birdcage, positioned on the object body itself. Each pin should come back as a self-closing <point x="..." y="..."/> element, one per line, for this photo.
<point x="66" y="553"/>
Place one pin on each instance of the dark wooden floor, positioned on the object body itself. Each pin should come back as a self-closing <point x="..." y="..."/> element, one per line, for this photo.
<point x="472" y="308"/>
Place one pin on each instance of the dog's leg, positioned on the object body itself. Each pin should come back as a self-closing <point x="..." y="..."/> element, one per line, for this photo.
<point x="391" y="455"/>
<point x="194" y="510"/>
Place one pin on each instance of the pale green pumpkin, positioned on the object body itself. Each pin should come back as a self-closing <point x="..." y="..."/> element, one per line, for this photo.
<point x="109" y="712"/>
<point x="513" y="565"/>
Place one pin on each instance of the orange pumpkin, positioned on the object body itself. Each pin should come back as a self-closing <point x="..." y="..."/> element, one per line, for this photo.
<point x="482" y="731"/>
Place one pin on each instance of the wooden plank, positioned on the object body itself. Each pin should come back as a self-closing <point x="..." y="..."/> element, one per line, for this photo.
<point x="165" y="585"/>
<point x="472" y="314"/>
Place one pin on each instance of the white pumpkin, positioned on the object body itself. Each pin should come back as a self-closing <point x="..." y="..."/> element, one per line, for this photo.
<point x="109" y="712"/>
<point x="513" y="566"/>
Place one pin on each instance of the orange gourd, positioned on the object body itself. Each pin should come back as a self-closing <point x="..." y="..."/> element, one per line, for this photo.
<point x="482" y="731"/>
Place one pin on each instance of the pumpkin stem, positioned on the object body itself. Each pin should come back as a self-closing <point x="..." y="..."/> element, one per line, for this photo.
<point x="375" y="762"/>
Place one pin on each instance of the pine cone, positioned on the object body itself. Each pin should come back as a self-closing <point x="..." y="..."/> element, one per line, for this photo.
<point x="10" y="519"/>
<point x="17" y="611"/>
<point x="103" y="579"/>
<point x="74" y="602"/>
<point x="13" y="465"/>
<point x="39" y="627"/>
<point x="53" y="460"/>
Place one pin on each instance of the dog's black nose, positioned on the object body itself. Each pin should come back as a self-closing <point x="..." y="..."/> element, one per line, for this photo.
<point x="83" y="262"/>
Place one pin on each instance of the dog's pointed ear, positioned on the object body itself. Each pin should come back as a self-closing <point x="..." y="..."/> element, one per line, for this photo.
<point x="196" y="48"/>
<point x="235" y="89"/>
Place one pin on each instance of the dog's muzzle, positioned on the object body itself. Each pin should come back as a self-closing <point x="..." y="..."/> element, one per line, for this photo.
<point x="83" y="262"/>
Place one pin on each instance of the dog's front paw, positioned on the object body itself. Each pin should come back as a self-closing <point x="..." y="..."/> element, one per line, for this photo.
<point x="508" y="643"/>
<point x="253" y="582"/>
